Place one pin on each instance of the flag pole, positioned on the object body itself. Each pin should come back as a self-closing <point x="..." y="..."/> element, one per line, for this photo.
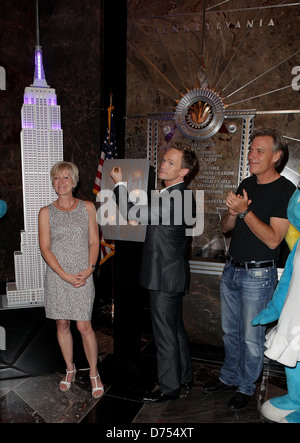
<point x="110" y="109"/>
<point x="108" y="151"/>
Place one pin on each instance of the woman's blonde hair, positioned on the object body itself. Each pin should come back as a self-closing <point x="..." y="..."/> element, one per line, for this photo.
<point x="69" y="167"/>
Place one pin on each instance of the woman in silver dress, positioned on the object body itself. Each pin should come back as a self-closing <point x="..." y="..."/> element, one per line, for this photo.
<point x="69" y="243"/>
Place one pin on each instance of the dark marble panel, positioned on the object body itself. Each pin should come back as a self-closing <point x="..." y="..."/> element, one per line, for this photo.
<point x="197" y="407"/>
<point x="38" y="399"/>
<point x="31" y="343"/>
<point x="202" y="311"/>
<point x="112" y="410"/>
<point x="42" y="393"/>
<point x="15" y="410"/>
<point x="10" y="384"/>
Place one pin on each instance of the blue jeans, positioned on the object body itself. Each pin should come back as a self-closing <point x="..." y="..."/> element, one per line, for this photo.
<point x="244" y="293"/>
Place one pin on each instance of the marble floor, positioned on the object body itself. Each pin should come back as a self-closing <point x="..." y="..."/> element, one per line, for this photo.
<point x="37" y="399"/>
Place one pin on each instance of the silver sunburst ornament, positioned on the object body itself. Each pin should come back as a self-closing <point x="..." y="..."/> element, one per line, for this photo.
<point x="200" y="114"/>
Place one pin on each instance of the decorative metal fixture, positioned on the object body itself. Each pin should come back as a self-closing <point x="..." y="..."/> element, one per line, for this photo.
<point x="232" y="128"/>
<point x="200" y="114"/>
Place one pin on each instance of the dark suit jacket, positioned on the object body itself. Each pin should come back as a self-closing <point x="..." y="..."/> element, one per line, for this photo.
<point x="164" y="265"/>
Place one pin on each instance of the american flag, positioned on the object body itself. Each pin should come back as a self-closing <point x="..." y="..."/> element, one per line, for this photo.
<point x="109" y="151"/>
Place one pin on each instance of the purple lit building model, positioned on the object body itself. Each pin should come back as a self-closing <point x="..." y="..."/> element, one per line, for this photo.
<point x="41" y="147"/>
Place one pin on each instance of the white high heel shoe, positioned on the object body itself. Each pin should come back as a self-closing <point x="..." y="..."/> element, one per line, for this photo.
<point x="98" y="391"/>
<point x="67" y="383"/>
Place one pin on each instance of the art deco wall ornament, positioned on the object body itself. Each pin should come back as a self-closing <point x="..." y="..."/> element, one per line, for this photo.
<point x="199" y="114"/>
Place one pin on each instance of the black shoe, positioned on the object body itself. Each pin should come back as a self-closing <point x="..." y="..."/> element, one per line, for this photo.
<point x="216" y="386"/>
<point x="187" y="385"/>
<point x="158" y="396"/>
<point x="239" y="401"/>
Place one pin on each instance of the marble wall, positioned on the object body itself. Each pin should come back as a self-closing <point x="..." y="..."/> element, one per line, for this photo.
<point x="246" y="49"/>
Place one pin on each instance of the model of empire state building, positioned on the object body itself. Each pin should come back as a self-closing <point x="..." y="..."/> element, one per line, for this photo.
<point x="41" y="147"/>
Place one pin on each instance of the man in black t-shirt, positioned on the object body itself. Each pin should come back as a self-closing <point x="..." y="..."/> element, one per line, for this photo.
<point x="257" y="218"/>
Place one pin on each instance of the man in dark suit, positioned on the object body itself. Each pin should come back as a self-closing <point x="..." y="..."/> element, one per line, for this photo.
<point x="165" y="267"/>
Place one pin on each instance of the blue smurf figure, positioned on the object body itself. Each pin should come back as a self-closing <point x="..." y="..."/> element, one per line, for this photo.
<point x="283" y="341"/>
<point x="3" y="208"/>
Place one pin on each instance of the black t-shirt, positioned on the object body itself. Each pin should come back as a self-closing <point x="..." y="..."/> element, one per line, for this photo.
<point x="268" y="200"/>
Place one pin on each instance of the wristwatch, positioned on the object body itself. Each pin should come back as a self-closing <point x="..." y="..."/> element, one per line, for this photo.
<point x="243" y="214"/>
<point x="93" y="266"/>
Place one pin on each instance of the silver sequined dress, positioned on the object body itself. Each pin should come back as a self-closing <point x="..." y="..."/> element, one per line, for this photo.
<point x="69" y="232"/>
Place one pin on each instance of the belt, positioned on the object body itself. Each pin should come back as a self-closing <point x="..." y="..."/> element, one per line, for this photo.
<point x="251" y="264"/>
